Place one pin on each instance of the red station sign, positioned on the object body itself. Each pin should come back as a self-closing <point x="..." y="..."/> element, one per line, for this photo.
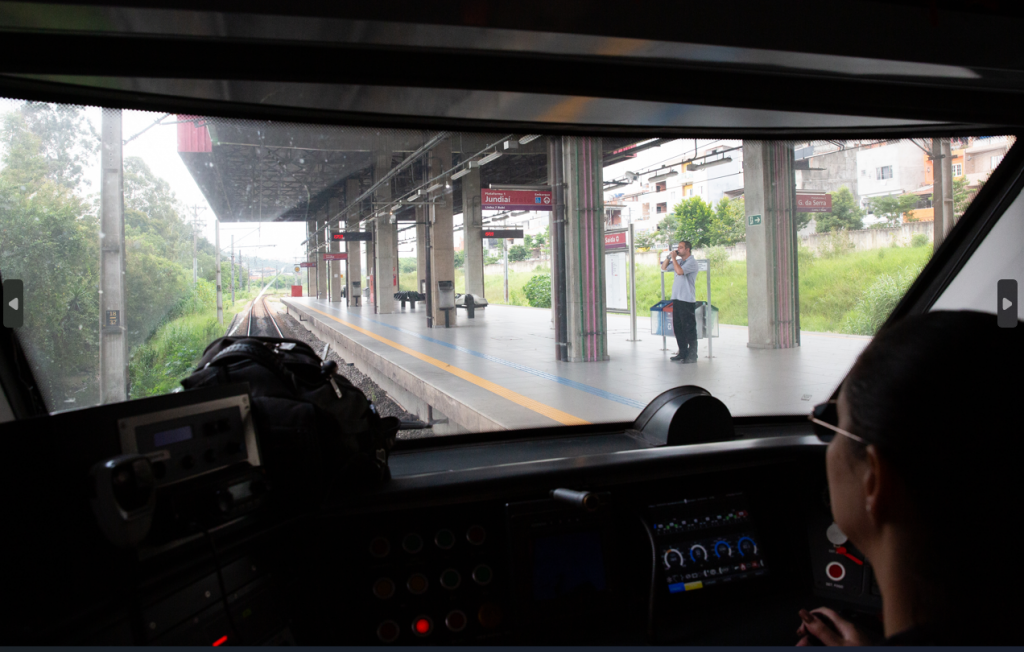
<point x="517" y="200"/>
<point x="307" y="264"/>
<point x="335" y="256"/>
<point x="615" y="241"/>
<point x="814" y="203"/>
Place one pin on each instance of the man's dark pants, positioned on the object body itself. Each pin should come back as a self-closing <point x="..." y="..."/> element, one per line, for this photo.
<point x="684" y="323"/>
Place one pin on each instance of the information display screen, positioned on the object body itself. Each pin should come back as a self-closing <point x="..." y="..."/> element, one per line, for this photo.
<point x="173" y="436"/>
<point x="706" y="542"/>
<point x="568" y="565"/>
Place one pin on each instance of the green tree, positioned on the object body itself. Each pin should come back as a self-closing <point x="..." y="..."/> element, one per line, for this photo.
<point x="892" y="207"/>
<point x="645" y="239"/>
<point x="518" y="252"/>
<point x="460" y="259"/>
<point x="66" y="140"/>
<point x="845" y="214"/>
<point x="691" y="219"/>
<point x="730" y="223"/>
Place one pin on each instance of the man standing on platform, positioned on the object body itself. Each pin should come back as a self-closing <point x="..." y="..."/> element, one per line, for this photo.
<point x="684" y="300"/>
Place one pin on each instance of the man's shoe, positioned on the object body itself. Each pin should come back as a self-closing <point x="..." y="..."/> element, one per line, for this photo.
<point x="677" y="357"/>
<point x="690" y="360"/>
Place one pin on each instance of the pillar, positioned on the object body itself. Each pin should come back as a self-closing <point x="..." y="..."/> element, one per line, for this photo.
<point x="421" y="248"/>
<point x="386" y="262"/>
<point x="371" y="270"/>
<point x="321" y="264"/>
<point x="773" y="306"/>
<point x="442" y="237"/>
<point x="472" y="224"/>
<point x="335" y="267"/>
<point x="586" y="316"/>
<point x="113" y="320"/>
<point x="354" y="249"/>
<point x="311" y="256"/>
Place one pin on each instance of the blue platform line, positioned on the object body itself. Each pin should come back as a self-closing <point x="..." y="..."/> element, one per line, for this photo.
<point x="590" y="389"/>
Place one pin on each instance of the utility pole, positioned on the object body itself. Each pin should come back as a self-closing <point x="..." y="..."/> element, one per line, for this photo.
<point x="504" y="245"/>
<point x="232" y="269"/>
<point x="938" y="194"/>
<point x="948" y="212"/>
<point x="220" y="294"/>
<point x="113" y="321"/>
<point x="195" y="243"/>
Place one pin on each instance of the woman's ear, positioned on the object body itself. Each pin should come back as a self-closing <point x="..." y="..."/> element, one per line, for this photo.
<point x="880" y="487"/>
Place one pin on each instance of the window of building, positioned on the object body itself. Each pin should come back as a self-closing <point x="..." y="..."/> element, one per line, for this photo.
<point x="958" y="169"/>
<point x="884" y="172"/>
<point x="995" y="160"/>
<point x="660" y="186"/>
<point x="663" y="207"/>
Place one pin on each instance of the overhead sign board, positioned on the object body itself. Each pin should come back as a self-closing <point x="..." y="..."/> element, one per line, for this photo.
<point x="335" y="256"/>
<point x="614" y="241"/>
<point x="516" y="200"/>
<point x="814" y="203"/>
<point x="357" y="236"/>
<point x="307" y="264"/>
<point x="506" y="233"/>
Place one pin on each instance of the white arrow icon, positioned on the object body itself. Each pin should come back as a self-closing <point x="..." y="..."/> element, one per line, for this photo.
<point x="1007" y="304"/>
<point x="14" y="303"/>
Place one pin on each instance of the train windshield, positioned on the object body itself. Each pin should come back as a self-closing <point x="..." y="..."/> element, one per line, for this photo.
<point x="467" y="282"/>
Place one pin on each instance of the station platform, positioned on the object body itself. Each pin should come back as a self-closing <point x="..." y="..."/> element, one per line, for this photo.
<point x="498" y="371"/>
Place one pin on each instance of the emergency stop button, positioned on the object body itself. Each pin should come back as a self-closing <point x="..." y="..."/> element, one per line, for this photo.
<point x="835" y="571"/>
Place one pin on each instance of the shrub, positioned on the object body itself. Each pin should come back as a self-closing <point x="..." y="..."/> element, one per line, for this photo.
<point x="919" y="240"/>
<point x="717" y="256"/>
<point x="406" y="265"/>
<point x="538" y="291"/>
<point x="837" y="244"/>
<point x="878" y="302"/>
<point x="518" y="252"/>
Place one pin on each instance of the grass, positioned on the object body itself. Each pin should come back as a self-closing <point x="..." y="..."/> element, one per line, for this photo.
<point x="494" y="285"/>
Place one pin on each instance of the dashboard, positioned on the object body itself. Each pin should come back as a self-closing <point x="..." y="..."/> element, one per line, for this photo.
<point x="716" y="543"/>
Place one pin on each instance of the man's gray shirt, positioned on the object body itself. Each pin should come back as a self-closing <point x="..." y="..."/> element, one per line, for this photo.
<point x="683" y="284"/>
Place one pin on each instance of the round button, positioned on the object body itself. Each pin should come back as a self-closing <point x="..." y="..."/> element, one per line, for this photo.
<point x="450" y="579"/>
<point x="483" y="575"/>
<point x="444" y="539"/>
<point x="489" y="615"/>
<point x="456" y="621"/>
<point x="388" y="631"/>
<point x="835" y="571"/>
<point x="412" y="543"/>
<point x="417" y="584"/>
<point x="835" y="535"/>
<point x="383" y="588"/>
<point x="422" y="626"/>
<point x="380" y="547"/>
<point x="476" y="535"/>
<point x="188" y="462"/>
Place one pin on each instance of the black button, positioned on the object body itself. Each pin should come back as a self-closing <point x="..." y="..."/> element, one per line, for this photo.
<point x="209" y="429"/>
<point x="209" y="455"/>
<point x="188" y="462"/>
<point x="232" y="448"/>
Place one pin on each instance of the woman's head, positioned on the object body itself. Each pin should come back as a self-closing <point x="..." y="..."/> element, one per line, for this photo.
<point x="935" y="398"/>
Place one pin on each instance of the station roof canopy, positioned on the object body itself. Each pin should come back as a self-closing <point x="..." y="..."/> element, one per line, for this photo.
<point x="255" y="171"/>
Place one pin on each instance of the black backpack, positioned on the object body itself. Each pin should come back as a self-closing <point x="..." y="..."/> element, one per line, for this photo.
<point x="316" y="430"/>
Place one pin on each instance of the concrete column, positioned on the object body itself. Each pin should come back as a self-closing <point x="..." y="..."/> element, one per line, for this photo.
<point x="113" y="320"/>
<point x="336" y="268"/>
<point x="586" y="316"/>
<point x="321" y="264"/>
<point x="422" y="215"/>
<point x="386" y="262"/>
<point x="442" y="240"/>
<point x="371" y="270"/>
<point x="354" y="249"/>
<point x="311" y="257"/>
<point x="773" y="302"/>
<point x="472" y="221"/>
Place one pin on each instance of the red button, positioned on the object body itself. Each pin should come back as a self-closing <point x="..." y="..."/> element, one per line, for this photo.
<point x="384" y="588"/>
<point x="456" y="621"/>
<point x="835" y="571"/>
<point x="422" y="626"/>
<point x="380" y="547"/>
<point x="417" y="584"/>
<point x="476" y="535"/>
<point x="489" y="615"/>
<point x="387" y="631"/>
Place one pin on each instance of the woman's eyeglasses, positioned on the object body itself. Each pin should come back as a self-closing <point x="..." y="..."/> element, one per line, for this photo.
<point x="825" y="416"/>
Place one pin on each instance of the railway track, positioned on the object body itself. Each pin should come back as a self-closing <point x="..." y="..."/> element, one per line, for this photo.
<point x="261" y="320"/>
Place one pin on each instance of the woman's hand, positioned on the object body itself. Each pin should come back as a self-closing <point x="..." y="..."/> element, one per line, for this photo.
<point x="830" y="628"/>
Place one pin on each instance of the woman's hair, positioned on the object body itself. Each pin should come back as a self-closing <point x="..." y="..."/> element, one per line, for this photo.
<point x="940" y="396"/>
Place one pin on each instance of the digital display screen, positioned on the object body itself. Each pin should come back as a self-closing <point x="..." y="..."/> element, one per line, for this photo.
<point x="173" y="436"/>
<point x="706" y="542"/>
<point x="568" y="565"/>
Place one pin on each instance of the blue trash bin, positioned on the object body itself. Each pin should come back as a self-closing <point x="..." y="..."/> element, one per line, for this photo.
<point x="661" y="318"/>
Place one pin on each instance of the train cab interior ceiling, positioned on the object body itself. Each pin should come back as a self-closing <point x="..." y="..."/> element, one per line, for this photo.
<point x="172" y="173"/>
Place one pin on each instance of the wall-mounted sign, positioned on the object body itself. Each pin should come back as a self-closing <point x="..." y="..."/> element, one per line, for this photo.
<point x="614" y="241"/>
<point x="507" y="233"/>
<point x="814" y="203"/>
<point x="753" y="220"/>
<point x="355" y="236"/>
<point x="112" y="318"/>
<point x="516" y="200"/>
<point x="297" y="268"/>
<point x="307" y="264"/>
<point x="335" y="256"/>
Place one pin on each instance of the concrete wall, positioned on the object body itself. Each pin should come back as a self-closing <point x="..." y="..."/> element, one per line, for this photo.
<point x="866" y="239"/>
<point x="840" y="169"/>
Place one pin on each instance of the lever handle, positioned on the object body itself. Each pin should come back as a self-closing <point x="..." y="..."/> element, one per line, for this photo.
<point x="580" y="499"/>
